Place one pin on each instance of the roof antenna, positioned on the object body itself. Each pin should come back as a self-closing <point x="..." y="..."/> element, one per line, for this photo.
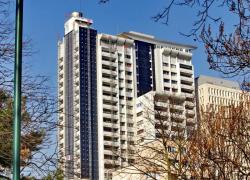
<point x="80" y="6"/>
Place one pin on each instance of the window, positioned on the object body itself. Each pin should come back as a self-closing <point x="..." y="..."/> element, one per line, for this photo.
<point x="139" y="122"/>
<point x="173" y="74"/>
<point x="174" y="90"/>
<point x="139" y="114"/>
<point x="166" y="80"/>
<point x="140" y="131"/>
<point x="128" y="73"/>
<point x="166" y="72"/>
<point x="129" y="98"/>
<point x="130" y="133"/>
<point x="165" y="64"/>
<point x="166" y="89"/>
<point x="174" y="82"/>
<point x="129" y="90"/>
<point x="184" y="66"/>
<point x="173" y="66"/>
<point x="128" y="65"/>
<point x="130" y="124"/>
<point x="127" y="56"/>
<point x="129" y="81"/>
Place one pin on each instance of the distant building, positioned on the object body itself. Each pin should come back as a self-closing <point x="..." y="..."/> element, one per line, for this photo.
<point x="213" y="93"/>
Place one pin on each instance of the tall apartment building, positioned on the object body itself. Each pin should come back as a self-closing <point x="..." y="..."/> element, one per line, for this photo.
<point x="100" y="78"/>
<point x="96" y="94"/>
<point x="215" y="92"/>
<point x="116" y="102"/>
<point x="165" y="86"/>
<point x="78" y="133"/>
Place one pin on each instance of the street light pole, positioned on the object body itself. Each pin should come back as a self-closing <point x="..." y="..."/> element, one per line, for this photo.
<point x="17" y="90"/>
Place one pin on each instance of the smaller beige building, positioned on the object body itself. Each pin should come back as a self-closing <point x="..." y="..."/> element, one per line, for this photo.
<point x="154" y="160"/>
<point x="213" y="93"/>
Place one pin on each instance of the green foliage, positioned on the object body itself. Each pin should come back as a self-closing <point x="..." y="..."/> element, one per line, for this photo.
<point x="31" y="138"/>
<point x="57" y="174"/>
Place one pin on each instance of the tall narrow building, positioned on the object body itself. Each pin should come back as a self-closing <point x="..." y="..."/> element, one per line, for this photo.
<point x="78" y="133"/>
<point x="97" y="98"/>
<point x="116" y="102"/>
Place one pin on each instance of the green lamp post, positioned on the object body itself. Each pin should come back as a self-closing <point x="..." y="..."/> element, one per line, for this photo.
<point x="17" y="90"/>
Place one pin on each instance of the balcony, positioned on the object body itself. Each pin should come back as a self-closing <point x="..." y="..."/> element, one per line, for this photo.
<point x="109" y="72"/>
<point x="174" y="86"/>
<point x="190" y="122"/>
<point x="111" y="134"/>
<point x="60" y="60"/>
<point x="177" y="116"/>
<point x="188" y="87"/>
<point x="188" y="79"/>
<point x="110" y="125"/>
<point x="166" y="84"/>
<point x="129" y="94"/>
<point x="130" y="111"/>
<point x="130" y="69"/>
<point x="130" y="103"/>
<point x="111" y="107"/>
<point x="128" y="85"/>
<point x="190" y="113"/>
<point x="110" y="116"/>
<point x="177" y="107"/>
<point x="187" y="71"/>
<point x="166" y="68"/>
<point x="109" y="55"/>
<point x="110" y="63"/>
<point x="111" y="143"/>
<point x="188" y="95"/>
<point x="177" y="128"/>
<point x="110" y="152"/>
<point x="113" y="162"/>
<point x="109" y="82"/>
<point x="110" y="98"/>
<point x="189" y="104"/>
<point x="129" y="77"/>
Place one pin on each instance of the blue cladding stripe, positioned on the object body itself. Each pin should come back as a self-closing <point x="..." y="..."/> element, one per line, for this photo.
<point x="88" y="109"/>
<point x="144" y="54"/>
<point x="94" y="125"/>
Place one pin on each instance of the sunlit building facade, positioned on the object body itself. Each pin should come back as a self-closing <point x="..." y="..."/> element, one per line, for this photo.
<point x="213" y="93"/>
<point x="101" y="79"/>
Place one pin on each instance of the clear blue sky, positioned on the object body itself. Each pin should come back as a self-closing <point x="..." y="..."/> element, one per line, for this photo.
<point x="44" y="24"/>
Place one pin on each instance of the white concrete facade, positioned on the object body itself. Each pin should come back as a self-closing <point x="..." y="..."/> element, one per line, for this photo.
<point x="174" y="81"/>
<point x="116" y="102"/>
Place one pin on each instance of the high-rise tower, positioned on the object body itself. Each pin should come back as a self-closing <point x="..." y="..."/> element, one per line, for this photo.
<point x="100" y="78"/>
<point x="96" y="95"/>
<point x="78" y="133"/>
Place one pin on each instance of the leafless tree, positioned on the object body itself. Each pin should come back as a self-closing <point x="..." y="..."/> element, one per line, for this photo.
<point x="220" y="148"/>
<point x="162" y="139"/>
<point x="226" y="42"/>
<point x="38" y="146"/>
